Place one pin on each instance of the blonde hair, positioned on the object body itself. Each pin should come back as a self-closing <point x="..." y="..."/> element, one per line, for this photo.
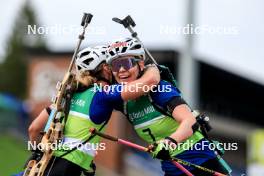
<point x="85" y="78"/>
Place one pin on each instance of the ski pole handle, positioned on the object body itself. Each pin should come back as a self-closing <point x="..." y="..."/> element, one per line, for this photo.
<point x="86" y="19"/>
<point x="127" y="22"/>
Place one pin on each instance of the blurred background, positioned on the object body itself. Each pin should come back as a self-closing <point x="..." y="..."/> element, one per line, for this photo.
<point x="214" y="48"/>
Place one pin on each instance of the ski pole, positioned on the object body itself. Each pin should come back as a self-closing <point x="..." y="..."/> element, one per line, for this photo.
<point x="86" y="19"/>
<point x="198" y="167"/>
<point x="128" y="23"/>
<point x="130" y="144"/>
<point x="136" y="146"/>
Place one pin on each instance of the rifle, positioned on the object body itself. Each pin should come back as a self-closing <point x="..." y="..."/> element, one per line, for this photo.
<point x="60" y="108"/>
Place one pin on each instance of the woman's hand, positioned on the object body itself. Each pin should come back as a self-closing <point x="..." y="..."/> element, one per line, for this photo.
<point x="162" y="149"/>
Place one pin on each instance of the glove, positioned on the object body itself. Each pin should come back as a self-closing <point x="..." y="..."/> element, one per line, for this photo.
<point x="161" y="150"/>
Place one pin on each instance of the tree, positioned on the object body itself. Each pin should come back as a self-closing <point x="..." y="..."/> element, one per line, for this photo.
<point x="13" y="71"/>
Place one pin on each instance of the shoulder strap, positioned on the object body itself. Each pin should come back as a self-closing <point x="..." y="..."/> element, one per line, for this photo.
<point x="125" y="111"/>
<point x="125" y="108"/>
<point x="158" y="108"/>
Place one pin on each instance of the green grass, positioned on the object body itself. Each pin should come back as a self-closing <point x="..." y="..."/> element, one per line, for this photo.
<point x="13" y="155"/>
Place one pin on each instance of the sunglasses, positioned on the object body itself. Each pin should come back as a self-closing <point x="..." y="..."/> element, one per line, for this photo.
<point x="126" y="63"/>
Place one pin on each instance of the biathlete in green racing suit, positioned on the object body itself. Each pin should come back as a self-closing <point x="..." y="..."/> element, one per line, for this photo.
<point x="127" y="62"/>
